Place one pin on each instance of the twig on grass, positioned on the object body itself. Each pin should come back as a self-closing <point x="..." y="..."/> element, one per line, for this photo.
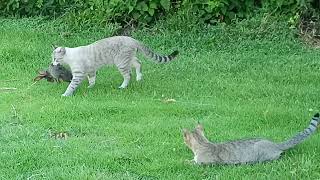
<point x="34" y="175"/>
<point x="8" y="88"/>
<point x="185" y="102"/>
<point x="14" y="111"/>
<point x="9" y="80"/>
<point x="135" y="141"/>
<point x="108" y="140"/>
<point x="32" y="84"/>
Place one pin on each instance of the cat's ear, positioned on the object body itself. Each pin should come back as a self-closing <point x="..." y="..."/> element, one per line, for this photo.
<point x="199" y="127"/>
<point x="60" y="50"/>
<point x="185" y="133"/>
<point x="63" y="50"/>
<point x="54" y="46"/>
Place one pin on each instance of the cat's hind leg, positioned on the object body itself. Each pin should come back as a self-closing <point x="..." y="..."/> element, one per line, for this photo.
<point x="76" y="80"/>
<point x="91" y="79"/>
<point x="137" y="65"/>
<point x="124" y="69"/>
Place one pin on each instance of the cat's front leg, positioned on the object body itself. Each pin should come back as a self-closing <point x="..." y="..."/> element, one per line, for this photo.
<point x="91" y="79"/>
<point x="191" y="162"/>
<point x="75" y="82"/>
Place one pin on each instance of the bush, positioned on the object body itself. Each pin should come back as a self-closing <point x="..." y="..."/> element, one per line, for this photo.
<point x="99" y="12"/>
<point x="89" y="11"/>
<point x="212" y="11"/>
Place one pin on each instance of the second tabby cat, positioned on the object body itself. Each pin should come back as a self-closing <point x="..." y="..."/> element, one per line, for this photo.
<point x="117" y="50"/>
<point x="241" y="151"/>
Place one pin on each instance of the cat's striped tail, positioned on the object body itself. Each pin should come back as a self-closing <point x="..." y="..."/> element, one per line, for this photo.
<point x="301" y="135"/>
<point x="158" y="58"/>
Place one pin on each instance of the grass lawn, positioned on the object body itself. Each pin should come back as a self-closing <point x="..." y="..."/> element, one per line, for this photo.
<point x="240" y="81"/>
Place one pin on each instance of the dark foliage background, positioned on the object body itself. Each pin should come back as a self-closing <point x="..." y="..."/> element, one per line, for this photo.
<point x="146" y="11"/>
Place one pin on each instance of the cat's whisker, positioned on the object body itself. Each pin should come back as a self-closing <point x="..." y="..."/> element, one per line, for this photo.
<point x="8" y="88"/>
<point x="32" y="84"/>
<point x="10" y="80"/>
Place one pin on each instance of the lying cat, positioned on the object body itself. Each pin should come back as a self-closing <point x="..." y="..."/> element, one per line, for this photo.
<point x="241" y="151"/>
<point x="117" y="50"/>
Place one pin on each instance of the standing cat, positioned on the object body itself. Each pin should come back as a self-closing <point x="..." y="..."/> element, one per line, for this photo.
<point x="241" y="151"/>
<point x="117" y="50"/>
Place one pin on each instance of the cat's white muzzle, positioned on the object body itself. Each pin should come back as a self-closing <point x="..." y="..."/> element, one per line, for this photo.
<point x="55" y="63"/>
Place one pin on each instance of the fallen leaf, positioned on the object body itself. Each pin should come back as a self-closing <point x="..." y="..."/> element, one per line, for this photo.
<point x="169" y="100"/>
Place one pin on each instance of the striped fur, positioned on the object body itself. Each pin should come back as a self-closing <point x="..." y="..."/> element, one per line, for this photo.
<point x="118" y="50"/>
<point x="158" y="58"/>
<point x="302" y="135"/>
<point x="240" y="151"/>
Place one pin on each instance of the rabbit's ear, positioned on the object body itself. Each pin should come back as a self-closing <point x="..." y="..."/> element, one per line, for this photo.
<point x="38" y="78"/>
<point x="42" y="73"/>
<point x="49" y="79"/>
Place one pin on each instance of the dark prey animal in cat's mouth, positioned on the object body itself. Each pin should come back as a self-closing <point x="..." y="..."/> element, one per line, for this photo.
<point x="55" y="73"/>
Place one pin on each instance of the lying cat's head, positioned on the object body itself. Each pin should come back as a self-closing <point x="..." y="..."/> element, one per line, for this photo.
<point x="195" y="138"/>
<point x="58" y="55"/>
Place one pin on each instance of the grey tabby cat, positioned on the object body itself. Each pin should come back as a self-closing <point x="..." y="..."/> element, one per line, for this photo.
<point x="117" y="50"/>
<point x="241" y="151"/>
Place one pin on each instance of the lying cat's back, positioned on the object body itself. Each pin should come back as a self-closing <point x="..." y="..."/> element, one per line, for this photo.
<point x="239" y="151"/>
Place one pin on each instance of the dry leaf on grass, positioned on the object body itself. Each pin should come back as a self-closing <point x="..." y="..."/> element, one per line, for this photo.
<point x="8" y="88"/>
<point x="169" y="100"/>
<point x="59" y="135"/>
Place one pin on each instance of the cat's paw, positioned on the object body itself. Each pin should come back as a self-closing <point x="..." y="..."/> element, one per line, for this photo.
<point x="90" y="86"/>
<point x="66" y="94"/>
<point x="121" y="87"/>
<point x="139" y="77"/>
<point x="190" y="162"/>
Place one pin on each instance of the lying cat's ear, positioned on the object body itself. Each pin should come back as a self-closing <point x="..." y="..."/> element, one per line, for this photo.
<point x="54" y="46"/>
<point x="199" y="127"/>
<point x="185" y="133"/>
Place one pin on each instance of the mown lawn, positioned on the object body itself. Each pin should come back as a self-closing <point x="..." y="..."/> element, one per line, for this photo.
<point x="239" y="82"/>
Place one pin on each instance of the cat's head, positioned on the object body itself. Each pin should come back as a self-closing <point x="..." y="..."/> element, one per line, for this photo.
<point x="56" y="68"/>
<point x="58" y="55"/>
<point x="194" y="138"/>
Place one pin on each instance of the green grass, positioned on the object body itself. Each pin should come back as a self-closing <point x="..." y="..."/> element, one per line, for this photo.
<point x="245" y="80"/>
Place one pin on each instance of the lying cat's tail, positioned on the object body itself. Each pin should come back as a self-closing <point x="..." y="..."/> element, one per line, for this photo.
<point x="158" y="58"/>
<point x="302" y="135"/>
